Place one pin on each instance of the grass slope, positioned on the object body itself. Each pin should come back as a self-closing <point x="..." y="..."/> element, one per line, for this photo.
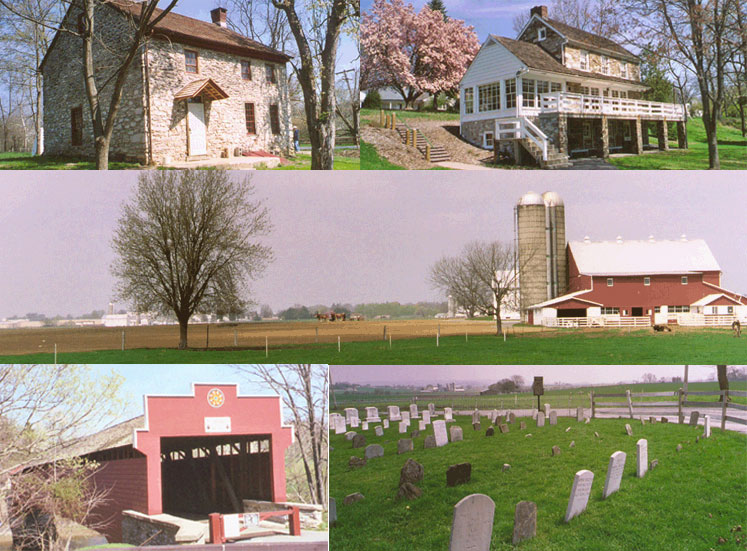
<point x="26" y="161"/>
<point x="371" y="160"/>
<point x="604" y="347"/>
<point x="732" y="152"/>
<point x="688" y="502"/>
<point x="302" y="161"/>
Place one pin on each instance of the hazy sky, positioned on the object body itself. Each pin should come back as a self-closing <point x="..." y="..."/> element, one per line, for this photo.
<point x="354" y="236"/>
<point x="488" y="374"/>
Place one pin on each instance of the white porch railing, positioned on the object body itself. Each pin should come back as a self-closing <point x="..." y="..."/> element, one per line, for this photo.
<point x="703" y="320"/>
<point x="579" y="104"/>
<point x="599" y="321"/>
<point x="518" y="128"/>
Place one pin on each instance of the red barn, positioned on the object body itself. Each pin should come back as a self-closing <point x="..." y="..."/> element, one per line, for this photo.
<point x="191" y="455"/>
<point x="636" y="283"/>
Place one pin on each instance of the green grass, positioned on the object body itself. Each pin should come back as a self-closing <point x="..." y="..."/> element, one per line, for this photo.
<point x="371" y="160"/>
<point x="564" y="347"/>
<point x="373" y="114"/>
<point x="302" y="161"/>
<point x="26" y="161"/>
<point x="732" y="152"/>
<point x="688" y="502"/>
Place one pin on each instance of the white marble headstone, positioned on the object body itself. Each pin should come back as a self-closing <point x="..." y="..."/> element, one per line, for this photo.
<point x="553" y="417"/>
<point x="472" y="526"/>
<point x="372" y="415"/>
<point x="350" y="414"/>
<point x="414" y="411"/>
<point x="541" y="419"/>
<point x="421" y="425"/>
<point x="707" y="426"/>
<point x="579" y="414"/>
<point x="439" y="430"/>
<point x="642" y="456"/>
<point x="426" y="417"/>
<point x="432" y="409"/>
<point x="394" y="414"/>
<point x="406" y="416"/>
<point x="364" y="425"/>
<point x="403" y="427"/>
<point x="355" y="422"/>
<point x="579" y="494"/>
<point x="614" y="474"/>
<point x="385" y="422"/>
<point x="448" y="414"/>
<point x="475" y="417"/>
<point x="547" y="410"/>
<point x="340" y="425"/>
<point x="379" y="430"/>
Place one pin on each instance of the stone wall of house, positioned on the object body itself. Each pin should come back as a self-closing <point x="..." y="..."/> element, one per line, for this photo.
<point x="573" y="60"/>
<point x="225" y="119"/>
<point x="553" y="126"/>
<point x="472" y="131"/>
<point x="553" y="42"/>
<point x="64" y="89"/>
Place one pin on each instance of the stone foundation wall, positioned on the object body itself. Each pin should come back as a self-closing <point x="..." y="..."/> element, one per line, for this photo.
<point x="64" y="89"/>
<point x="550" y="125"/>
<point x="225" y="119"/>
<point x="472" y="131"/>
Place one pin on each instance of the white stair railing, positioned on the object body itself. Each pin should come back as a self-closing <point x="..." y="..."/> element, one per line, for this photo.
<point x="520" y="128"/>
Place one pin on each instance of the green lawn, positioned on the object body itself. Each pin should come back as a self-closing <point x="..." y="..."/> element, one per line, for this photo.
<point x="562" y="347"/>
<point x="373" y="115"/>
<point x="732" y="152"/>
<point x="302" y="161"/>
<point x="693" y="498"/>
<point x="371" y="160"/>
<point x="26" y="161"/>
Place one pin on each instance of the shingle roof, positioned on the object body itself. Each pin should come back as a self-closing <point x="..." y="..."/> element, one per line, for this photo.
<point x="534" y="57"/>
<point x="590" y="40"/>
<point x="643" y="257"/>
<point x="201" y="86"/>
<point x="114" y="437"/>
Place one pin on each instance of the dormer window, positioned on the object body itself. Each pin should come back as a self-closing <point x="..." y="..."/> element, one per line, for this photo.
<point x="605" y="65"/>
<point x="541" y="33"/>
<point x="584" y="60"/>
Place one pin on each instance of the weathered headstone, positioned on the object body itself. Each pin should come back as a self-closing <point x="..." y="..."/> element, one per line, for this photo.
<point x="332" y="511"/>
<point x="385" y="422"/>
<point x="643" y="420"/>
<point x="553" y="417"/>
<point x="359" y="441"/>
<point x="547" y="410"/>
<point x="355" y="422"/>
<point x="475" y="417"/>
<point x="568" y="429"/>
<point x="503" y="428"/>
<point x="476" y="426"/>
<point x="426" y="417"/>
<point x="415" y="434"/>
<point x="340" y="426"/>
<point x="596" y="434"/>
<point x="350" y="414"/>
<point x="541" y="419"/>
<point x="409" y="491"/>
<point x="350" y="435"/>
<point x="489" y="432"/>
<point x="493" y="416"/>
<point x="472" y="526"/>
<point x="448" y="414"/>
<point x="402" y="427"/>
<point x="522" y="425"/>
<point x="372" y="415"/>
<point x="642" y="456"/>
<point x="414" y="411"/>
<point x="404" y="445"/>
<point x="628" y="429"/>
<point x="352" y="498"/>
<point x="653" y="464"/>
<point x="579" y="414"/>
<point x="456" y="434"/>
<point x="374" y="450"/>
<point x="498" y="420"/>
<point x="430" y="441"/>
<point x="405" y="416"/>
<point x="652" y="420"/>
<point x="587" y="420"/>
<point x="432" y="409"/>
<point x="665" y="420"/>
<point x="511" y="417"/>
<point x="525" y="521"/>
<point x="364" y="425"/>
<point x="411" y="472"/>
<point x="707" y="426"/>
<point x="458" y="474"/>
<point x="439" y="433"/>
<point x="394" y="414"/>
<point x="614" y="474"/>
<point x="694" y="416"/>
<point x="421" y="424"/>
<point x="379" y="430"/>
<point x="579" y="494"/>
<point x="556" y="450"/>
<point x="356" y="461"/>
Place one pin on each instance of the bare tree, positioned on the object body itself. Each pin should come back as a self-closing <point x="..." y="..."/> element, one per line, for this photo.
<point x="451" y="275"/>
<point x="350" y="101"/>
<point x="304" y="389"/>
<point x="187" y="241"/>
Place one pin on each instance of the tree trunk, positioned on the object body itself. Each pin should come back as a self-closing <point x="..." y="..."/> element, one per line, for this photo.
<point x="102" y="153"/>
<point x="183" y="326"/>
<point x="322" y="139"/>
<point x="712" y="138"/>
<point x="723" y="381"/>
<point x="498" y="324"/>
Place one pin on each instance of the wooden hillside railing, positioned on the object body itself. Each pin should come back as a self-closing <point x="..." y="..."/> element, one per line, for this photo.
<point x="679" y="400"/>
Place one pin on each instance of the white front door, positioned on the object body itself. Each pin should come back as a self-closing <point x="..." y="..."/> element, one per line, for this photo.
<point x="197" y="134"/>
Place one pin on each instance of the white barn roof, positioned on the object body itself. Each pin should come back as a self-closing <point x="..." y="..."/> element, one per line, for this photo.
<point x="643" y="257"/>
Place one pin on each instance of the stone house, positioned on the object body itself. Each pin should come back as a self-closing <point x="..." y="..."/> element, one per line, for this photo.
<point x="196" y="90"/>
<point x="557" y="92"/>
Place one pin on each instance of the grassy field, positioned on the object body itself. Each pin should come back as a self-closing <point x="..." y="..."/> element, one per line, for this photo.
<point x="414" y="343"/>
<point x="302" y="161"/>
<point x="26" y="161"/>
<point x="373" y="115"/>
<point x="693" y="498"/>
<point x="371" y="160"/>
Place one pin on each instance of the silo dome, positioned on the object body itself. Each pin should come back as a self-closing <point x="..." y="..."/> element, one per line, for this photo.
<point x="531" y="198"/>
<point x="552" y="199"/>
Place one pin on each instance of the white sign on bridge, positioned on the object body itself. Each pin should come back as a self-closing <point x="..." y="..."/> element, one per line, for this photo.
<point x="217" y="424"/>
<point x="233" y="525"/>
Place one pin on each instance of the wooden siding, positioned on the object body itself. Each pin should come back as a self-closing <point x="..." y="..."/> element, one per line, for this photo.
<point x="126" y="482"/>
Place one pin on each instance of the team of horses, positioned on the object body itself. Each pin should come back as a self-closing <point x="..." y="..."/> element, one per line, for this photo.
<point x="337" y="316"/>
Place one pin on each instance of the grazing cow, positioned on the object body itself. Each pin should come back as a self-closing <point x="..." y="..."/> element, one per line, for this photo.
<point x="322" y="317"/>
<point x="737" y="328"/>
<point x="662" y="328"/>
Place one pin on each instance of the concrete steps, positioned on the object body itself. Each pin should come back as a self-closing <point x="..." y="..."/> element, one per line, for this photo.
<point x="555" y="159"/>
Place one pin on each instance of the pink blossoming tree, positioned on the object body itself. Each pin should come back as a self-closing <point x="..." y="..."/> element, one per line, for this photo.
<point x="414" y="53"/>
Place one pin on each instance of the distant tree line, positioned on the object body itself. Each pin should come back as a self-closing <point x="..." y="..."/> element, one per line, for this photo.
<point x="367" y="310"/>
<point x="505" y="386"/>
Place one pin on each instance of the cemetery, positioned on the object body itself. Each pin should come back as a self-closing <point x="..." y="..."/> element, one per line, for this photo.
<point x="554" y="479"/>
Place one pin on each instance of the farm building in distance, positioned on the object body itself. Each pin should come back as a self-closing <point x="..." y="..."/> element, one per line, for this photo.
<point x="188" y="456"/>
<point x="615" y="283"/>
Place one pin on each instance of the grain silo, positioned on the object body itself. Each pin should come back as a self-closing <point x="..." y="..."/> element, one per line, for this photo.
<point x="540" y="243"/>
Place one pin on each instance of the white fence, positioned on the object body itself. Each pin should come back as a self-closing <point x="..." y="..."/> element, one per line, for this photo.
<point x="702" y="320"/>
<point x="579" y="104"/>
<point x="599" y="321"/>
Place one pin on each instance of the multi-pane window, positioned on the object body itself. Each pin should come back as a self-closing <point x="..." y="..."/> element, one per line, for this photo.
<point x="610" y="282"/>
<point x="610" y="310"/>
<point x="657" y="309"/>
<point x="615" y="93"/>
<point x="623" y="94"/>
<point x="510" y="93"/>
<point x="469" y="100"/>
<point x="190" y="61"/>
<point x="543" y="87"/>
<point x="489" y="96"/>
<point x="647" y="281"/>
<point x="528" y="92"/>
<point x="541" y="33"/>
<point x="270" y="73"/>
<point x="275" y="119"/>
<point x="679" y="309"/>
<point x="683" y="280"/>
<point x="246" y="70"/>
<point x="594" y="91"/>
<point x="730" y="309"/>
<point x="487" y="140"/>
<point x="251" y="125"/>
<point x="555" y="87"/>
<point x="605" y="65"/>
<point x="584" y="60"/>
<point x="76" y="126"/>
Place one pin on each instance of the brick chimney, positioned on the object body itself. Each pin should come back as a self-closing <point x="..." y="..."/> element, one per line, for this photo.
<point x="219" y="16"/>
<point x="539" y="10"/>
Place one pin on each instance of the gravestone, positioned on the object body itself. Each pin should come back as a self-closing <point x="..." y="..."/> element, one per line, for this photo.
<point x="402" y="427"/>
<point x="472" y="526"/>
<point x="694" y="416"/>
<point x="707" y="426"/>
<point x="525" y="521"/>
<point x="332" y="511"/>
<point x="414" y="411"/>
<point x="498" y="420"/>
<point x="405" y="416"/>
<point x="643" y="421"/>
<point x="426" y="417"/>
<point x="439" y="433"/>
<point x="458" y="474"/>
<point x="350" y="414"/>
<point x="587" y="420"/>
<point x="628" y="429"/>
<point x="448" y="414"/>
<point x="475" y="417"/>
<point x="385" y="422"/>
<point x="642" y="456"/>
<point x="489" y="432"/>
<point x="359" y="441"/>
<point x="504" y="428"/>
<point x="541" y="419"/>
<point x="340" y="427"/>
<point x="372" y="415"/>
<point x="404" y="445"/>
<point x="579" y="494"/>
<point x="432" y="409"/>
<point x="379" y="430"/>
<point x="556" y="450"/>
<point x="421" y="425"/>
<point x="579" y="414"/>
<point x="415" y="434"/>
<point x="411" y="472"/>
<point x="547" y="410"/>
<point x="409" y="491"/>
<point x="534" y="414"/>
<point x="356" y="461"/>
<point x="456" y="434"/>
<point x="665" y="420"/>
<point x="374" y="450"/>
<point x="652" y="420"/>
<point x="364" y="425"/>
<point x="511" y="417"/>
<point x="654" y="463"/>
<point x="476" y="426"/>
<point x="352" y="498"/>
<point x="394" y="414"/>
<point x="614" y="474"/>
<point x="522" y="425"/>
<point x="355" y="422"/>
<point x="350" y="435"/>
<point x="430" y="441"/>
<point x="493" y="416"/>
<point x="553" y="417"/>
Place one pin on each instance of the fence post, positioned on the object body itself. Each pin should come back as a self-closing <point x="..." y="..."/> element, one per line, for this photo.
<point x="630" y="403"/>
<point x="394" y="120"/>
<point x="427" y="152"/>
<point x="267" y="346"/>
<point x="382" y="117"/>
<point x="235" y="338"/>
<point x="338" y="343"/>
<point x="679" y="406"/>
<point x="216" y="532"/>
<point x="316" y="336"/>
<point x="593" y="410"/>
<point x="294" y="522"/>
<point x="55" y="353"/>
<point x="123" y="340"/>
<point x="723" y="410"/>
